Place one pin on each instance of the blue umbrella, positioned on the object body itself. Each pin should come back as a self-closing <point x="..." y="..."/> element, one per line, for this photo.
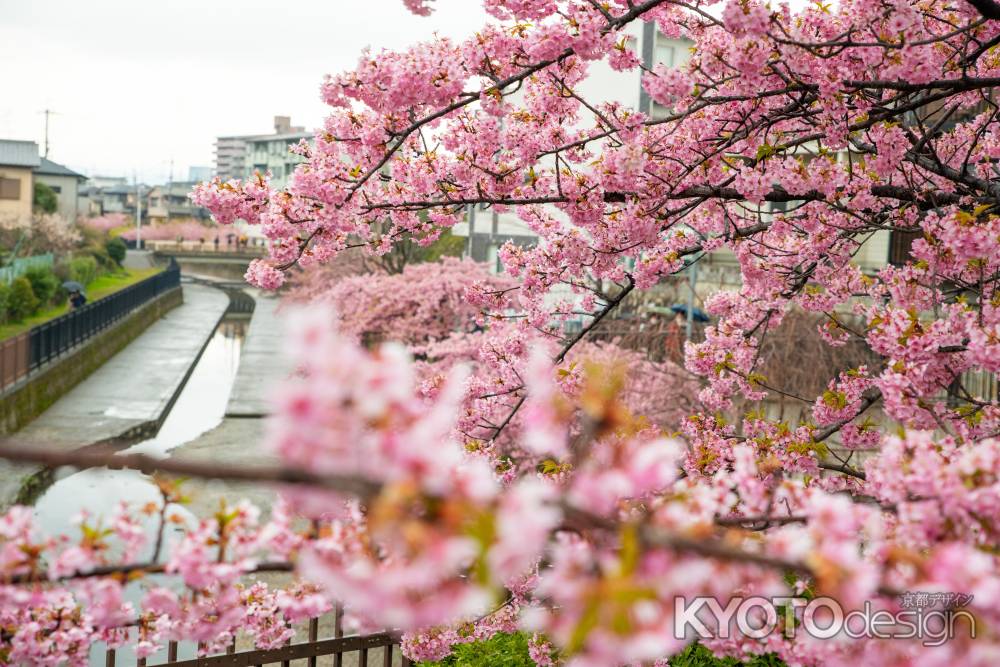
<point x="697" y="314"/>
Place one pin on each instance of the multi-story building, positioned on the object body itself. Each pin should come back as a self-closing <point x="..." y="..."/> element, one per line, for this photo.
<point x="487" y="230"/>
<point x="231" y="152"/>
<point x="18" y="160"/>
<point x="66" y="183"/>
<point x="270" y="153"/>
<point x="229" y="157"/>
<point x="199" y="174"/>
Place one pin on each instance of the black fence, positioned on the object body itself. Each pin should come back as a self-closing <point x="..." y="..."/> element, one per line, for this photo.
<point x="47" y="341"/>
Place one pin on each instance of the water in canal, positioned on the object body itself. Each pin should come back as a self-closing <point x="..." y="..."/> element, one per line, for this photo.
<point x="199" y="408"/>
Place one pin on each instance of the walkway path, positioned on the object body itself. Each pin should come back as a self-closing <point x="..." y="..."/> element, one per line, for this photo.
<point x="133" y="390"/>
<point x="262" y="364"/>
<point x="240" y="435"/>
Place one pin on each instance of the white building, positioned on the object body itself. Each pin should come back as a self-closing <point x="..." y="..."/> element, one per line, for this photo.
<point x="230" y="153"/>
<point x="270" y="153"/>
<point x="231" y="160"/>
<point x="488" y="230"/>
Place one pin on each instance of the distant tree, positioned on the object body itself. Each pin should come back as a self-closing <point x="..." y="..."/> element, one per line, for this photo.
<point x="408" y="251"/>
<point x="116" y="249"/>
<point x="21" y="302"/>
<point x="44" y="283"/>
<point x="44" y="200"/>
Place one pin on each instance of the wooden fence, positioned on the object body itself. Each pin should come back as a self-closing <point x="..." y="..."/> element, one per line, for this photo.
<point x="362" y="647"/>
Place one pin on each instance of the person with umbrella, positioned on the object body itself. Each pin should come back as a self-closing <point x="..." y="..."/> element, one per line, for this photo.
<point x="77" y="297"/>
<point x="678" y="328"/>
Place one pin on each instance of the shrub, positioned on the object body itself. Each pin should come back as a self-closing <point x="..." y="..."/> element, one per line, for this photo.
<point x="44" y="200"/>
<point x="62" y="271"/>
<point x="83" y="270"/>
<point x="511" y="650"/>
<point x="697" y="655"/>
<point x="4" y="301"/>
<point x="104" y="261"/>
<point x="116" y="249"/>
<point x="21" y="302"/>
<point x="500" y="650"/>
<point x="43" y="283"/>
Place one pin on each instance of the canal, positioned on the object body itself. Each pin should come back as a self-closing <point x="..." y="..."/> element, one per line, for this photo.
<point x="99" y="492"/>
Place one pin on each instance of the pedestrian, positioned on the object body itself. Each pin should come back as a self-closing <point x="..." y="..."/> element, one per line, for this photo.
<point x="673" y="339"/>
<point x="77" y="300"/>
<point x="216" y="243"/>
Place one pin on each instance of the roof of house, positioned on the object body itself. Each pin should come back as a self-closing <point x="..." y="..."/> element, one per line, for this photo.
<point x="19" y="153"/>
<point x="55" y="169"/>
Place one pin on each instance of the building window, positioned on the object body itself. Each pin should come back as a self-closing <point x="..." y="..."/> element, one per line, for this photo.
<point x="56" y="188"/>
<point x="664" y="54"/>
<point x="900" y="244"/>
<point x="10" y="188"/>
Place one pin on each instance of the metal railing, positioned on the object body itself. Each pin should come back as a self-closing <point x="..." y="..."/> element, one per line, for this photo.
<point x="25" y="353"/>
<point x="363" y="648"/>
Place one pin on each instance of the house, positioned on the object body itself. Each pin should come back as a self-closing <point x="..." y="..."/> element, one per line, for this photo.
<point x="66" y="183"/>
<point x="18" y="160"/>
<point x="172" y="200"/>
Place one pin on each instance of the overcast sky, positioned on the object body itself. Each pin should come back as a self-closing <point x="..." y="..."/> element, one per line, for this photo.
<point x="138" y="83"/>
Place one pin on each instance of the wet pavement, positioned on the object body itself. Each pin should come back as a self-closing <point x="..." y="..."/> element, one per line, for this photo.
<point x="133" y="390"/>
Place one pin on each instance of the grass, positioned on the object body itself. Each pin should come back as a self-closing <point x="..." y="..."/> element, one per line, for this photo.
<point x="500" y="650"/>
<point x="511" y="650"/>
<point x="100" y="288"/>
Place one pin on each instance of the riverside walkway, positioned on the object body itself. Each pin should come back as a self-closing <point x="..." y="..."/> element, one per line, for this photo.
<point x="130" y="394"/>
<point x="240" y="435"/>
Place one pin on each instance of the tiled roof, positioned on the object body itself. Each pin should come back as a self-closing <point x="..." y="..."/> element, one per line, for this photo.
<point x="55" y="169"/>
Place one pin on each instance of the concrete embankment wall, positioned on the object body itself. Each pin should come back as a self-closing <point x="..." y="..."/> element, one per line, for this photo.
<point x="41" y="389"/>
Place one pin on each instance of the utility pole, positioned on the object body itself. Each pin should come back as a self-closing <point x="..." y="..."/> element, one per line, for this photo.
<point x="138" y="213"/>
<point x="170" y="188"/>
<point x="47" y="112"/>
<point x="692" y="281"/>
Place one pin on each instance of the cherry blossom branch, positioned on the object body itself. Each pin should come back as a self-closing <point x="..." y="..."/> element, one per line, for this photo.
<point x="82" y="459"/>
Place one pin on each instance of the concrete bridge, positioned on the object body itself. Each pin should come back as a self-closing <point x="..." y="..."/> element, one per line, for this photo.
<point x="221" y="265"/>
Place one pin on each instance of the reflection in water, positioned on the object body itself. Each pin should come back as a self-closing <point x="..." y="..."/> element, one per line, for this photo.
<point x="199" y="408"/>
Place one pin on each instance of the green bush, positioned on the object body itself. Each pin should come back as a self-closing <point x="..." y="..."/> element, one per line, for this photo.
<point x="697" y="655"/>
<point x="44" y="199"/>
<point x="500" y="650"/>
<point x="43" y="283"/>
<point x="511" y="650"/>
<point x="21" y="302"/>
<point x="4" y="301"/>
<point x="83" y="270"/>
<point x="116" y="249"/>
<point x="104" y="261"/>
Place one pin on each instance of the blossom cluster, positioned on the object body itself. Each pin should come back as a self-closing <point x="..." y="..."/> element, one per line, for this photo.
<point x="794" y="140"/>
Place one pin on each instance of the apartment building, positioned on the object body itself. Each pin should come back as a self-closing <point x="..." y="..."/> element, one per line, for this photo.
<point x="231" y="152"/>
<point x="485" y="229"/>
<point x="270" y="153"/>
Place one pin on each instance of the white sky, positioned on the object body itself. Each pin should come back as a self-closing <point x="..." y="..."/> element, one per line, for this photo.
<point x="138" y="83"/>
